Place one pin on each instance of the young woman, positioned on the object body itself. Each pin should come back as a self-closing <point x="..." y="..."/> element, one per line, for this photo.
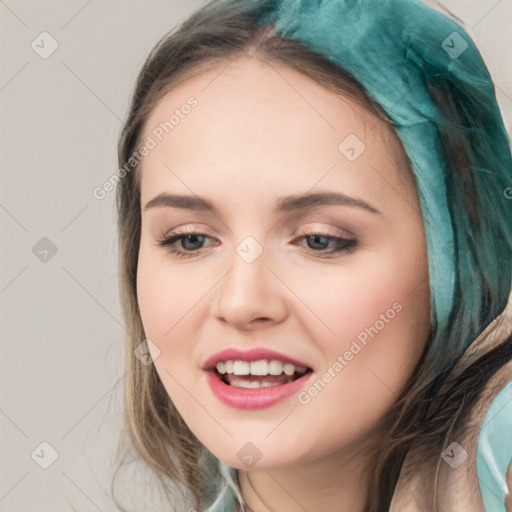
<point x="315" y="235"/>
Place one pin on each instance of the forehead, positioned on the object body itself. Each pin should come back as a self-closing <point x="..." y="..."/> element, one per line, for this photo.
<point x="264" y="90"/>
<point x="262" y="127"/>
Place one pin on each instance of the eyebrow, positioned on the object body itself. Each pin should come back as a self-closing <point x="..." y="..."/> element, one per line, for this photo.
<point x="284" y="204"/>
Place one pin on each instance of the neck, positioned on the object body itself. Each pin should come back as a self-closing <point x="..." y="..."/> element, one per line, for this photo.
<point x="336" y="481"/>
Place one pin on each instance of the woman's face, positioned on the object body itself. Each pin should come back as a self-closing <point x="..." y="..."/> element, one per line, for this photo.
<point x="355" y="312"/>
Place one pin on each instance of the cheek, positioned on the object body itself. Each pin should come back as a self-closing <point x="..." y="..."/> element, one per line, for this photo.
<point x="377" y="318"/>
<point x="168" y="300"/>
<point x="166" y="291"/>
<point x="348" y="299"/>
<point x="169" y="304"/>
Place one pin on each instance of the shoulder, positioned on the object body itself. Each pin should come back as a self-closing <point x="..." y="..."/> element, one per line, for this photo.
<point x="494" y="447"/>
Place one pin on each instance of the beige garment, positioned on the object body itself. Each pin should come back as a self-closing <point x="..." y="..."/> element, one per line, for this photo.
<point x="457" y="489"/>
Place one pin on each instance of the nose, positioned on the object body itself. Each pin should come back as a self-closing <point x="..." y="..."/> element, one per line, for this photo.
<point x="250" y="296"/>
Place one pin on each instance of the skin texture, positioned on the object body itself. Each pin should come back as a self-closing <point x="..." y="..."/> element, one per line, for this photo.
<point x="260" y="132"/>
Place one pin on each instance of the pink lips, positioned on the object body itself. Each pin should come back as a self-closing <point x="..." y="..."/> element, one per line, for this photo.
<point x="254" y="354"/>
<point x="253" y="398"/>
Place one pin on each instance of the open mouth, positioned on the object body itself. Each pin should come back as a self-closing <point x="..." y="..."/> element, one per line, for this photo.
<point x="259" y="381"/>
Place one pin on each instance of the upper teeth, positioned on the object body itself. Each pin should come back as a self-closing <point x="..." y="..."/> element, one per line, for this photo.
<point x="261" y="367"/>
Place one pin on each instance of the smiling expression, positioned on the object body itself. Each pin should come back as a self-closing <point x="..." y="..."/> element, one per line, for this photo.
<point x="299" y="248"/>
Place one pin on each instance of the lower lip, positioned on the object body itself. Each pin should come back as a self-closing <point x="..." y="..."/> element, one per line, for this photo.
<point x="254" y="398"/>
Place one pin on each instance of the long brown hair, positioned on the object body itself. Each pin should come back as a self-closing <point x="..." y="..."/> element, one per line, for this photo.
<point x="154" y="426"/>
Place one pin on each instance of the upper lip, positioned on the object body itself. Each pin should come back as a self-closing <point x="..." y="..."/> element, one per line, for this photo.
<point x="255" y="354"/>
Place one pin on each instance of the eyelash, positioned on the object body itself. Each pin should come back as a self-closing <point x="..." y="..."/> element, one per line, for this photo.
<point x="344" y="245"/>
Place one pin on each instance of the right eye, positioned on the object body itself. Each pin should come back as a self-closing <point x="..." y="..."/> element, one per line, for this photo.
<point x="188" y="238"/>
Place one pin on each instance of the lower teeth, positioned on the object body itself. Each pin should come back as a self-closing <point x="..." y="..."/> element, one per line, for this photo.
<point x="256" y="383"/>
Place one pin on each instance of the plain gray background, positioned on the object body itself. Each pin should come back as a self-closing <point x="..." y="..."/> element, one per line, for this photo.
<point x="62" y="353"/>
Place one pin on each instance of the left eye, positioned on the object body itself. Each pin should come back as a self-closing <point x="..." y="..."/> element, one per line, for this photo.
<point x="190" y="242"/>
